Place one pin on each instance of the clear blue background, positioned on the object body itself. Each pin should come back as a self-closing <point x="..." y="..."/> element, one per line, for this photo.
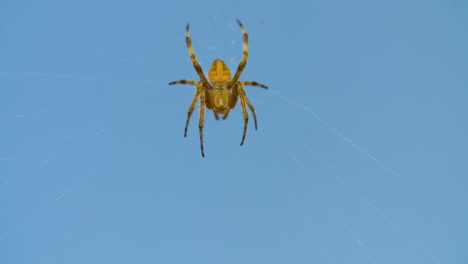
<point x="360" y="156"/>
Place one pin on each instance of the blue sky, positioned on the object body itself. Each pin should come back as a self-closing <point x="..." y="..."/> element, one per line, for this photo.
<point x="360" y="155"/>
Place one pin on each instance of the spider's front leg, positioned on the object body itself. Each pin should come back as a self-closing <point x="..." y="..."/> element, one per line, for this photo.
<point x="245" y="101"/>
<point x="244" y="110"/>
<point x="202" y="117"/>
<point x="200" y="93"/>
<point x="190" y="111"/>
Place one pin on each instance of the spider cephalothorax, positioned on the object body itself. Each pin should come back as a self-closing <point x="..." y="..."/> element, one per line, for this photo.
<point x="220" y="93"/>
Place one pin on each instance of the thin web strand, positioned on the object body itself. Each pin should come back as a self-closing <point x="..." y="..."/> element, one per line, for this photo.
<point x="332" y="206"/>
<point x="339" y="134"/>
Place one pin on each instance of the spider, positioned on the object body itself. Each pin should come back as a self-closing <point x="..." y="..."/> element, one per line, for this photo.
<point x="220" y="93"/>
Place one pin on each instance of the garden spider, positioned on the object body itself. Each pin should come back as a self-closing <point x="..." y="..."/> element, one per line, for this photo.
<point x="221" y="92"/>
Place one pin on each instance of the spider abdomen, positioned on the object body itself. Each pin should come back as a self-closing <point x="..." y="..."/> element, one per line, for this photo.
<point x="219" y="72"/>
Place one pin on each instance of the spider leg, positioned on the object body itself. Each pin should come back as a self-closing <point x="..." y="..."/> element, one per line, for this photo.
<point x="253" y="84"/>
<point x="192" y="107"/>
<point x="245" y="54"/>
<point x="242" y="98"/>
<point x="195" y="62"/>
<point x="251" y="109"/>
<point x="201" y="119"/>
<point x="184" y="82"/>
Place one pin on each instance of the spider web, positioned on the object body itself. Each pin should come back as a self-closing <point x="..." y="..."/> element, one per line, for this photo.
<point x="94" y="154"/>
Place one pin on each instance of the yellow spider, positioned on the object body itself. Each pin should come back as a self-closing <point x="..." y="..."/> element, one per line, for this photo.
<point x="221" y="92"/>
